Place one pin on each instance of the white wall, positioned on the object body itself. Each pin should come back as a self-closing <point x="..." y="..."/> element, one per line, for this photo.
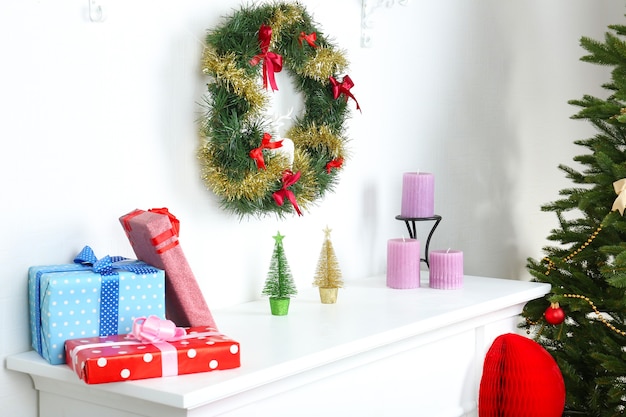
<point x="98" y="119"/>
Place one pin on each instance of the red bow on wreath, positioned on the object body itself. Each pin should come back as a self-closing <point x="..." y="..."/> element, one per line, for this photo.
<point x="335" y="163"/>
<point x="343" y="87"/>
<point x="310" y="39"/>
<point x="289" y="179"/>
<point x="257" y="153"/>
<point x="272" y="62"/>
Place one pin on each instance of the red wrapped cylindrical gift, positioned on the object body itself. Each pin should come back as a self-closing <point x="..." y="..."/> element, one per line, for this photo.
<point x="153" y="235"/>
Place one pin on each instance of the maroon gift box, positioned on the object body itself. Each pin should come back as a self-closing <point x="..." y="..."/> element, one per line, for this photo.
<point x="153" y="235"/>
<point x="122" y="357"/>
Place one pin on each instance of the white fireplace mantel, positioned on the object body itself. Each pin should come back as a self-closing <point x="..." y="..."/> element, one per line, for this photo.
<point x="377" y="352"/>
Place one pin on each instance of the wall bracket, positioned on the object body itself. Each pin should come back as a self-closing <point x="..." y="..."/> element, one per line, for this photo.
<point x="368" y="7"/>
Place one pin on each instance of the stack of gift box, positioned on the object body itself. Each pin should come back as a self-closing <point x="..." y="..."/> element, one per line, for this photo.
<point x="115" y="319"/>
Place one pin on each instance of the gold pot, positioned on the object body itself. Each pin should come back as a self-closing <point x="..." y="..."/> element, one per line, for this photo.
<point x="328" y="295"/>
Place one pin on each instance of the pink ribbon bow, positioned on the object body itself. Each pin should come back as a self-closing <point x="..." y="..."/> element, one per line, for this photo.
<point x="289" y="179"/>
<point x="310" y="39"/>
<point x="154" y="329"/>
<point x="257" y="153"/>
<point x="272" y="62"/>
<point x="343" y="88"/>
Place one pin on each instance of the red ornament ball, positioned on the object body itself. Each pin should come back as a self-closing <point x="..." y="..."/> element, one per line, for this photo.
<point x="554" y="314"/>
<point x="520" y="378"/>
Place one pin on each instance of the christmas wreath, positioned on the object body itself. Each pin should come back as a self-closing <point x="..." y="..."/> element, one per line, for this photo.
<point x="242" y="162"/>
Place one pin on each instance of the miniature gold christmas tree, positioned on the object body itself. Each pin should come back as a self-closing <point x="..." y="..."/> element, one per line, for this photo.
<point x="328" y="274"/>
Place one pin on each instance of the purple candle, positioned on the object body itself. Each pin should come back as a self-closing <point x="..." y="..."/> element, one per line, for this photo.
<point x="446" y="269"/>
<point x="418" y="194"/>
<point x="403" y="263"/>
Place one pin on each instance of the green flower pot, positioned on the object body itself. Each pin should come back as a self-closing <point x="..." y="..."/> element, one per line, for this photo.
<point x="279" y="306"/>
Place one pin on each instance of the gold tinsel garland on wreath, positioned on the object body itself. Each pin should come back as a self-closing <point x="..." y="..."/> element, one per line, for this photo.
<point x="241" y="57"/>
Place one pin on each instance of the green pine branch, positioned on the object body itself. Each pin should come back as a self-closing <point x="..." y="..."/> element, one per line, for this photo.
<point x="587" y="265"/>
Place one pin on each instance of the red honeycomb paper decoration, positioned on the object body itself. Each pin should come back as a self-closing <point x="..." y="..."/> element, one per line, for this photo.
<point x="520" y="379"/>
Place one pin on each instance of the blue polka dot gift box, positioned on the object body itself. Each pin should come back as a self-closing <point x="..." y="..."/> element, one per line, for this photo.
<point x="153" y="353"/>
<point x="90" y="297"/>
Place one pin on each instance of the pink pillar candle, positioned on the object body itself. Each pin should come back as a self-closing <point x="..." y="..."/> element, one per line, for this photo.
<point x="446" y="269"/>
<point x="403" y="263"/>
<point x="418" y="194"/>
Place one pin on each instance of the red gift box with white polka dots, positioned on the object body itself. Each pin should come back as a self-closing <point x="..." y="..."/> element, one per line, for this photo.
<point x="122" y="357"/>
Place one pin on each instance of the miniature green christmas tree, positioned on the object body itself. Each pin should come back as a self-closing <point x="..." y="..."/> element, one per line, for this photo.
<point x="328" y="274"/>
<point x="279" y="285"/>
<point x="582" y="321"/>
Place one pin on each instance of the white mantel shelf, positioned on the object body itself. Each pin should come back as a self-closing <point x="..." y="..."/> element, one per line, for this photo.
<point x="377" y="352"/>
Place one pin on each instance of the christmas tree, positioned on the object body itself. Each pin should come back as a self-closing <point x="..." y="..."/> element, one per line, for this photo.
<point x="587" y="270"/>
<point x="279" y="282"/>
<point x="328" y="274"/>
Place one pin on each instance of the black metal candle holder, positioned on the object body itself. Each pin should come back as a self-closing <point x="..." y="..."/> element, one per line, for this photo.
<point x="410" y="225"/>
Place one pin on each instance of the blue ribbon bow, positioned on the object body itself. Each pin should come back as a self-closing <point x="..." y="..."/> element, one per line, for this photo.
<point x="109" y="291"/>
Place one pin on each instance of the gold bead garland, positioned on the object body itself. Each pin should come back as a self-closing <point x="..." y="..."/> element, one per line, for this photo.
<point x="576" y="252"/>
<point x="568" y="258"/>
<point x="595" y="309"/>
